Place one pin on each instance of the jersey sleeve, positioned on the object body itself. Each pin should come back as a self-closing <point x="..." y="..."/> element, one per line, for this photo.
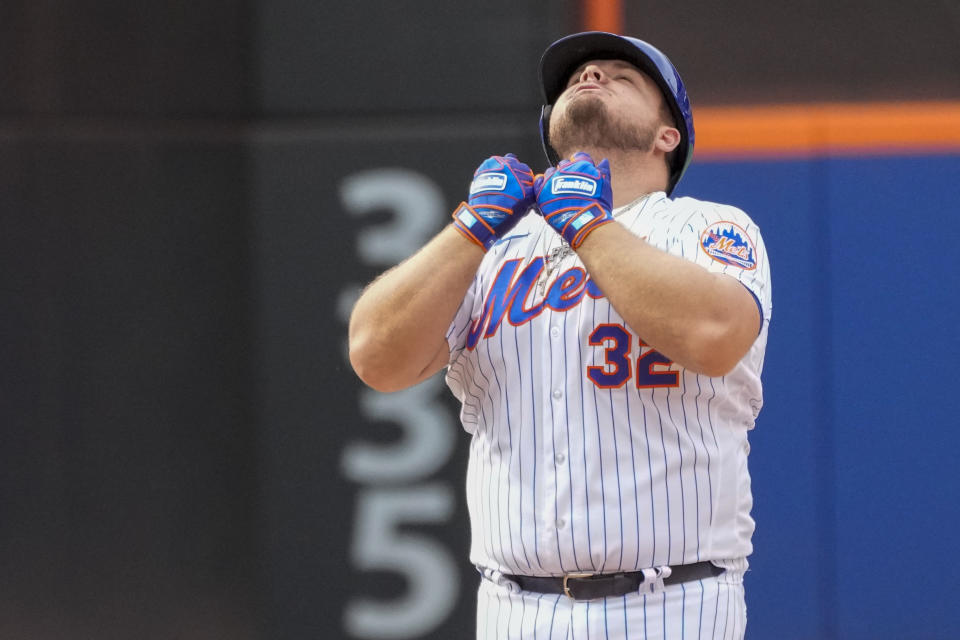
<point x="462" y="320"/>
<point x="724" y="239"/>
<point x="457" y="337"/>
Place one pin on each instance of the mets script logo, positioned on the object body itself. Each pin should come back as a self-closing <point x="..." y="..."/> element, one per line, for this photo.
<point x="511" y="296"/>
<point x="488" y="182"/>
<point x="728" y="243"/>
<point x="578" y="186"/>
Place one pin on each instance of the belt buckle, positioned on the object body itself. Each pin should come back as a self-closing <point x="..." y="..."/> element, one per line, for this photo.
<point x="566" y="586"/>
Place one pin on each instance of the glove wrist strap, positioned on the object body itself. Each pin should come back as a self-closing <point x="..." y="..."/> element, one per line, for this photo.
<point x="581" y="224"/>
<point x="472" y="226"/>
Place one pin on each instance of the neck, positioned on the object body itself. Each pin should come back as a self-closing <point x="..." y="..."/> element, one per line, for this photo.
<point x="632" y="174"/>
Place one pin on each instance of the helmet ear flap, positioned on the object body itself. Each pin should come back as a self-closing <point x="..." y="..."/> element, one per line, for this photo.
<point x="551" y="154"/>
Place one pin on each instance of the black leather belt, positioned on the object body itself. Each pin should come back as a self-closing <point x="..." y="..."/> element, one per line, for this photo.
<point x="588" y="586"/>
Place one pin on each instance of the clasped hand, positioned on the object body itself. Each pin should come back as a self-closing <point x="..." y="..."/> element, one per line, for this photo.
<point x="574" y="198"/>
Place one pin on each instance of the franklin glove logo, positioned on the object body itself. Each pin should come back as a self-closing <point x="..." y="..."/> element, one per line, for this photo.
<point x="488" y="182"/>
<point x="577" y="186"/>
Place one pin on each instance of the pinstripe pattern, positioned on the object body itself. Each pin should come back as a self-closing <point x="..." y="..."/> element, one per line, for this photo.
<point x="710" y="609"/>
<point x="567" y="476"/>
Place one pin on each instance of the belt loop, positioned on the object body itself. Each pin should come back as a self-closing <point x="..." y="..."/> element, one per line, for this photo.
<point x="500" y="579"/>
<point x="653" y="579"/>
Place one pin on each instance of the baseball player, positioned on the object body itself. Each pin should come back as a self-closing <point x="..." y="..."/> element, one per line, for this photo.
<point x="606" y="342"/>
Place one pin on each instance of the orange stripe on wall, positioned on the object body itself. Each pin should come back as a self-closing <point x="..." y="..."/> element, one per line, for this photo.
<point x="603" y="15"/>
<point x="789" y="130"/>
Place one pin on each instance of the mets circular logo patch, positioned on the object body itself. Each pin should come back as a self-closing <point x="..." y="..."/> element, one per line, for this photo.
<point x="728" y="243"/>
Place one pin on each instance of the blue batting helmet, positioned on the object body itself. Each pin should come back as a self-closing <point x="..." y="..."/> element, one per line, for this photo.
<point x="563" y="57"/>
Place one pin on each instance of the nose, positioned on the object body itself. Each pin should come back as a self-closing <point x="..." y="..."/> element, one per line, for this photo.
<point x="592" y="73"/>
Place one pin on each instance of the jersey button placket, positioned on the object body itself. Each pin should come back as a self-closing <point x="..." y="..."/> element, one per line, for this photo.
<point x="556" y="513"/>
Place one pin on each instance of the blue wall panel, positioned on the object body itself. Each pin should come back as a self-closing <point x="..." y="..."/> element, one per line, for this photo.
<point x="856" y="499"/>
<point x="896" y="269"/>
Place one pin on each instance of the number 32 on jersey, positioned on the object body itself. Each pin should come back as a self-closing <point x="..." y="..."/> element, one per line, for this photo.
<point x="653" y="369"/>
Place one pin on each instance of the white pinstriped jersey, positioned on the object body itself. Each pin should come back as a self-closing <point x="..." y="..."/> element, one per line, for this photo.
<point x="591" y="451"/>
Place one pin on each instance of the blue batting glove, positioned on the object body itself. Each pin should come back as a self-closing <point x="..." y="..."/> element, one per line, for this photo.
<point x="575" y="197"/>
<point x="501" y="193"/>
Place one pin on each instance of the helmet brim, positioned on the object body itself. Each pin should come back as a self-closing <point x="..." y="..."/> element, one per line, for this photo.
<point x="563" y="57"/>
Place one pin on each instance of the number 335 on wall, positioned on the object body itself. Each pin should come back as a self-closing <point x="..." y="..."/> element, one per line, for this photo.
<point x="653" y="369"/>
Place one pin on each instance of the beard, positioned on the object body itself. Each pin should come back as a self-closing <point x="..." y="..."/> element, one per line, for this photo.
<point x="588" y="124"/>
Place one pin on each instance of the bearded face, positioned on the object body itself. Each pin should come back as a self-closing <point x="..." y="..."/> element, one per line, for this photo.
<point x="587" y="122"/>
